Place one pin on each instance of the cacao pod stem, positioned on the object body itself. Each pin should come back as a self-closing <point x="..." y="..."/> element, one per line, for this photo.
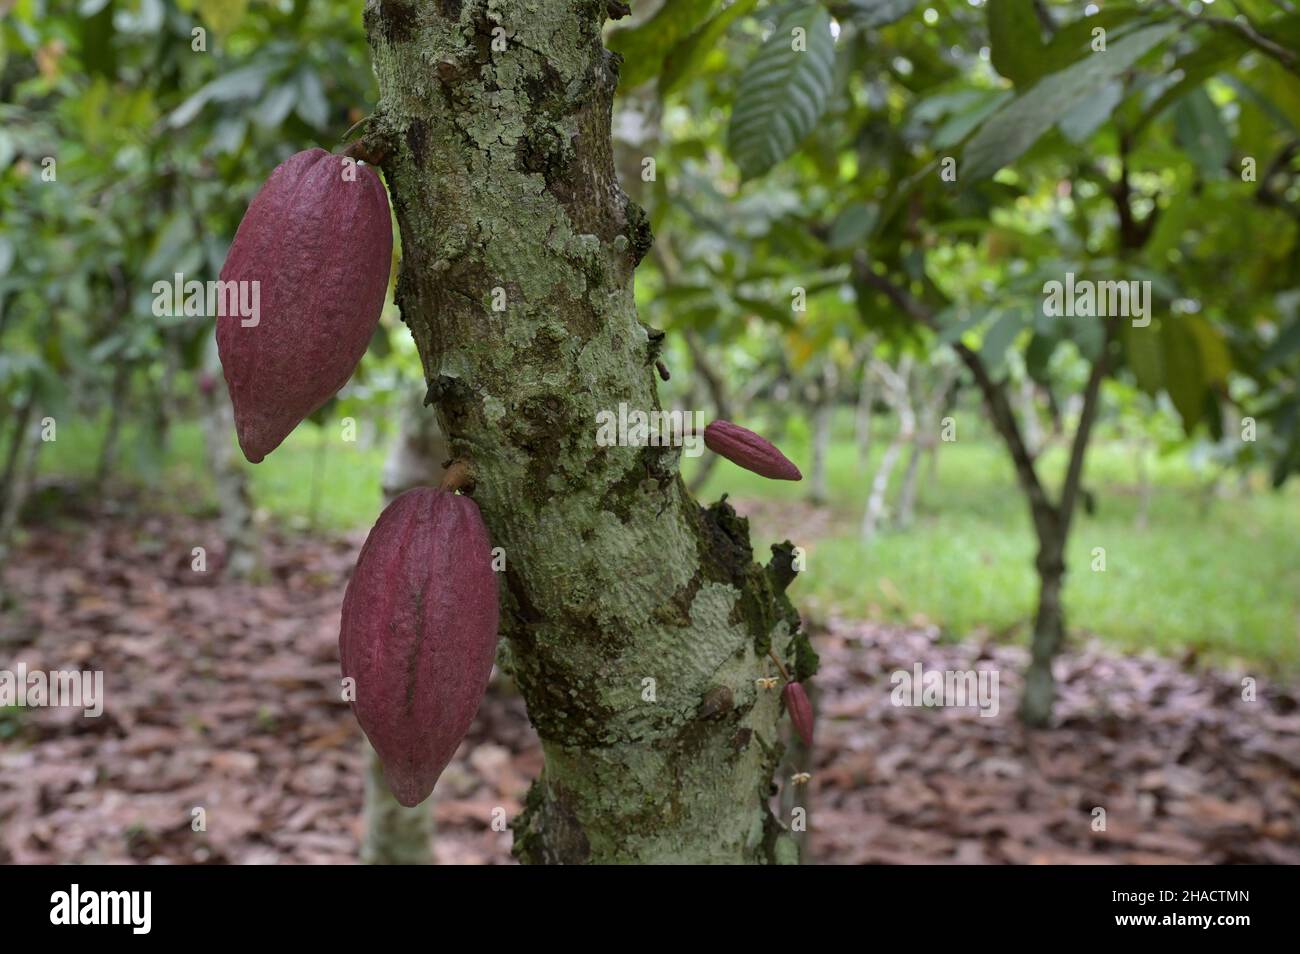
<point x="459" y="475"/>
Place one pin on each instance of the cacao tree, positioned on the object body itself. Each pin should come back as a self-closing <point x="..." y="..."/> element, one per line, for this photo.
<point x="638" y="621"/>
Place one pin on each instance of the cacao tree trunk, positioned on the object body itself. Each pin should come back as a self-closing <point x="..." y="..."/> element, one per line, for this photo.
<point x="395" y="834"/>
<point x="118" y="395"/>
<point x="1049" y="636"/>
<point x="19" y="475"/>
<point x="822" y="418"/>
<point x="863" y="421"/>
<point x="638" y="621"/>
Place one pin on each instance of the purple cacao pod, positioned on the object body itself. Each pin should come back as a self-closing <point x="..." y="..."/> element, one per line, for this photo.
<point x="320" y="247"/>
<point x="742" y="446"/>
<point x="800" y="709"/>
<point x="419" y="634"/>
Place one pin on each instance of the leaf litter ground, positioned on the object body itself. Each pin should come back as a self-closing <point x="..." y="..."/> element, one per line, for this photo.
<point x="224" y="696"/>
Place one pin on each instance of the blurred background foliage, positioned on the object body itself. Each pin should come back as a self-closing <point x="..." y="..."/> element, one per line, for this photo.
<point x="821" y="277"/>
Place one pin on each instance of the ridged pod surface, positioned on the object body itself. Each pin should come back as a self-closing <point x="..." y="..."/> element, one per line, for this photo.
<point x="320" y="246"/>
<point x="419" y="634"/>
<point x="742" y="446"/>
<point x="800" y="709"/>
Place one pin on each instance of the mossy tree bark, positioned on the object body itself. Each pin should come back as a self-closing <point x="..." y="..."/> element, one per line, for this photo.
<point x="638" y="621"/>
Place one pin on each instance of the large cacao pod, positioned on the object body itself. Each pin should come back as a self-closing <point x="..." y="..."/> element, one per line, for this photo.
<point x="320" y="246"/>
<point x="419" y="633"/>
<point x="742" y="446"/>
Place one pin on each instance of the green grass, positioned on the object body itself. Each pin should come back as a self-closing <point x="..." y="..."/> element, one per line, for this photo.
<point x="1222" y="579"/>
<point x="348" y="494"/>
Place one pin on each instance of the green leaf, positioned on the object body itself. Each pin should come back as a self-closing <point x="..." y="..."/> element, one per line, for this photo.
<point x="244" y="83"/>
<point x="783" y="91"/>
<point x="1216" y="360"/>
<point x="1017" y="126"/>
<point x="870" y="14"/>
<point x="644" y="47"/>
<point x="1184" y="377"/>
<point x="1080" y="123"/>
<point x="999" y="337"/>
<point x="1018" y="51"/>
<point x="1142" y="348"/>
<point x="852" y="226"/>
<point x="1200" y="131"/>
<point x="683" y="58"/>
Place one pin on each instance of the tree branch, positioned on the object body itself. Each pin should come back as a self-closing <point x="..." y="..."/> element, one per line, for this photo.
<point x="1247" y="33"/>
<point x="995" y="399"/>
<point x="1087" y="417"/>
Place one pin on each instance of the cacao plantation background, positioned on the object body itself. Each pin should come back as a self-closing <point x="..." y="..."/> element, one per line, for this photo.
<point x="1014" y="284"/>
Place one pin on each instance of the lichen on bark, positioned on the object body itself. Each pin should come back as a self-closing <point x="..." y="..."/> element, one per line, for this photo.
<point x="638" y="621"/>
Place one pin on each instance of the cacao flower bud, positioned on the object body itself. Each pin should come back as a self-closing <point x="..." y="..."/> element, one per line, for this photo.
<point x="742" y="446"/>
<point x="419" y="634"/>
<point x="320" y="247"/>
<point x="801" y="714"/>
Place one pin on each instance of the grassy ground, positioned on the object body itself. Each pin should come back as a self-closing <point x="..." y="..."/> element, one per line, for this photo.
<point x="1222" y="579"/>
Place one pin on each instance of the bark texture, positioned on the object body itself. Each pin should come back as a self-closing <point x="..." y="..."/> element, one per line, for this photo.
<point x="638" y="621"/>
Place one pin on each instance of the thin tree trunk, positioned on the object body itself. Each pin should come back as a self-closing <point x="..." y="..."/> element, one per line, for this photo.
<point x="116" y="410"/>
<point x="875" y="510"/>
<point x="717" y="394"/>
<point x="823" y="417"/>
<point x="907" y="493"/>
<point x="19" y="477"/>
<point x="638" y="621"/>
<point x="17" y="444"/>
<point x="863" y="419"/>
<point x="1048" y="637"/>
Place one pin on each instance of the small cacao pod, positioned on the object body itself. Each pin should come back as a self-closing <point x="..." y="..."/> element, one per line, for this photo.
<point x="318" y="240"/>
<point x="742" y="446"/>
<point x="419" y="634"/>
<point x="800" y="709"/>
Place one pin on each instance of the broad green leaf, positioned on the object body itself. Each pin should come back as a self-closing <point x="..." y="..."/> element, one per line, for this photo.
<point x="999" y="337"/>
<point x="1016" y="41"/>
<point x="683" y="58"/>
<point x="1216" y="361"/>
<point x="783" y="91"/>
<point x="1074" y="40"/>
<point x="1017" y="126"/>
<point x="852" y="226"/>
<point x="1194" y="69"/>
<point x="644" y="47"/>
<point x="1080" y="123"/>
<point x="244" y="83"/>
<point x="1184" y="377"/>
<point x="959" y="125"/>
<point x="1200" y="131"/>
<point x="1142" y="349"/>
<point x="870" y="14"/>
